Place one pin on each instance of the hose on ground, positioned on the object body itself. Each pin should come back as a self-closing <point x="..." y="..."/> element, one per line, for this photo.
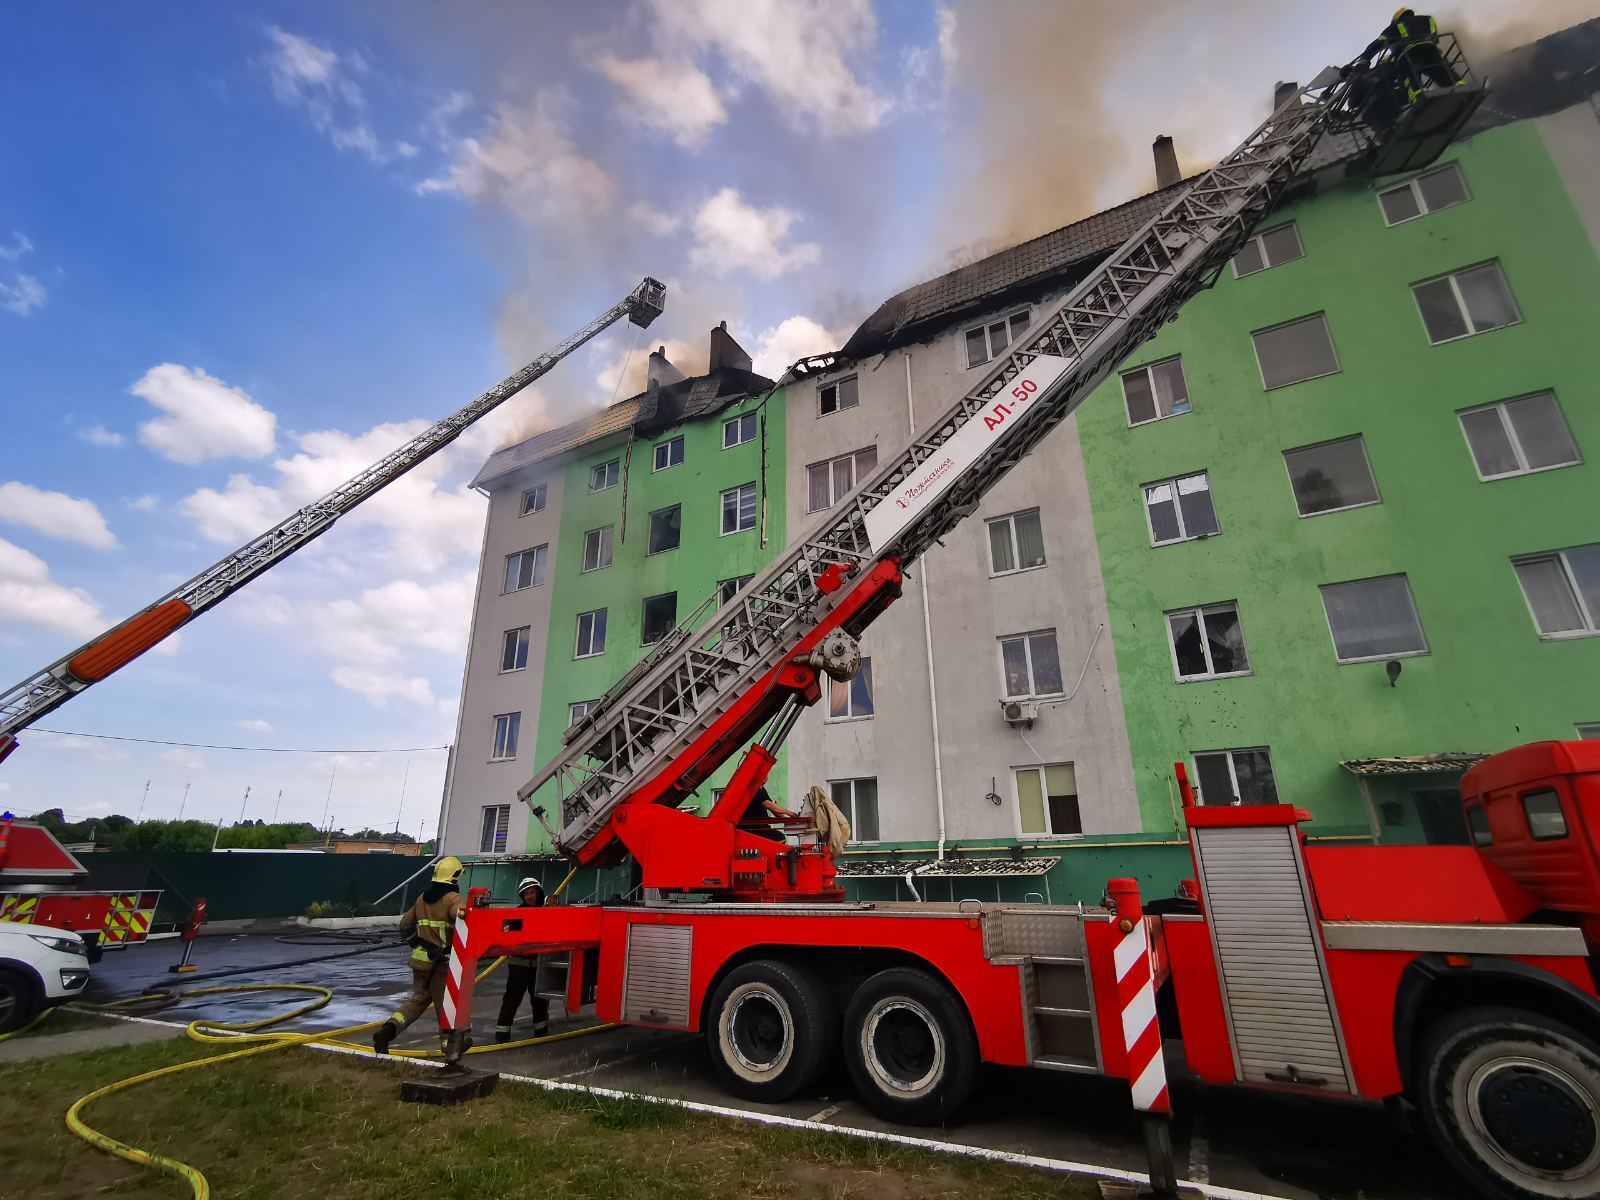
<point x="263" y="1039"/>
<point x="43" y="1013"/>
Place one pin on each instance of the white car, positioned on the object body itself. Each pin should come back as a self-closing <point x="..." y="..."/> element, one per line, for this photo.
<point x="39" y="967"/>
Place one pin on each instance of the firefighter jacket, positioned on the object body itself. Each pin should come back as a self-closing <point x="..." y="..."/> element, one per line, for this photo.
<point x="429" y="924"/>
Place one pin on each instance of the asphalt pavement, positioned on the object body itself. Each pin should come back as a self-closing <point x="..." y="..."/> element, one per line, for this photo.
<point x="1228" y="1138"/>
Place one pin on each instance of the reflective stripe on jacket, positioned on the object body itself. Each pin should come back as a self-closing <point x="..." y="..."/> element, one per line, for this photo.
<point x="432" y="925"/>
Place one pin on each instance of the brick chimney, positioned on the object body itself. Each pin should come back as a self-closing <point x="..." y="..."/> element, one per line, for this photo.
<point x="662" y="373"/>
<point x="1167" y="172"/>
<point x="725" y="352"/>
<point x="1282" y="92"/>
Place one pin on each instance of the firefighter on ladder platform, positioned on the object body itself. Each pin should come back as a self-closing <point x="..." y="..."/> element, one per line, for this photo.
<point x="429" y="922"/>
<point x="520" y="976"/>
<point x="1412" y="40"/>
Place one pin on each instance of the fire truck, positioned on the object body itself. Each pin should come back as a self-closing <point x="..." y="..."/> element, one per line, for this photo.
<point x="1456" y="976"/>
<point x="33" y="866"/>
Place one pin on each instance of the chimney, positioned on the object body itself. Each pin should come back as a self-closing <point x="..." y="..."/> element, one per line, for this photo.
<point x="662" y="373"/>
<point x="1282" y="92"/>
<point x="1167" y="172"/>
<point x="725" y="352"/>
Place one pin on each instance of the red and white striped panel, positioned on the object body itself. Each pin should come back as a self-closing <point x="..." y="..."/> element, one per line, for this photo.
<point x="1141" y="1032"/>
<point x="452" y="985"/>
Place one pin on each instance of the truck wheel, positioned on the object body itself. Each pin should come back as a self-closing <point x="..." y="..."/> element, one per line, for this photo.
<point x="1513" y="1101"/>
<point x="18" y="1000"/>
<point x="910" y="1046"/>
<point x="771" y="1029"/>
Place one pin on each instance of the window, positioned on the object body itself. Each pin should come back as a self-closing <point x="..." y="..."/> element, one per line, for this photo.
<point x="506" y="728"/>
<point x="1208" y="642"/>
<point x="665" y="527"/>
<point x="1155" y="391"/>
<point x="525" y="569"/>
<point x="1478" y="823"/>
<point x="1016" y="543"/>
<point x="492" y="833"/>
<point x="1563" y="590"/>
<point x="514" y="649"/>
<point x="736" y="431"/>
<point x="739" y="509"/>
<point x="669" y="453"/>
<point x="1426" y="193"/>
<point x="1270" y="249"/>
<point x="1331" y="477"/>
<point x="1047" y="800"/>
<point x="1295" y="351"/>
<point x="850" y="699"/>
<point x="533" y="500"/>
<point x="1589" y="731"/>
<point x="1545" y="818"/>
<point x="829" y="482"/>
<point x="837" y="396"/>
<point x="1373" y="618"/>
<point x="1466" y="302"/>
<point x="660" y="616"/>
<point x="1179" y="510"/>
<point x="1030" y="664"/>
<point x="1236" y="776"/>
<point x="605" y="475"/>
<point x="1518" y="437"/>
<point x="989" y="340"/>
<point x="597" y="548"/>
<point x="591" y="634"/>
<point x="727" y="589"/>
<point x="579" y="710"/>
<point x="858" y="800"/>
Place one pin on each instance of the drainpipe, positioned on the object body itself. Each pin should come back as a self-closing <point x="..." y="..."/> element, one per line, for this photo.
<point x="927" y="640"/>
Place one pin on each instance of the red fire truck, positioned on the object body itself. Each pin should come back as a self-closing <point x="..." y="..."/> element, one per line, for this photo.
<point x="33" y="866"/>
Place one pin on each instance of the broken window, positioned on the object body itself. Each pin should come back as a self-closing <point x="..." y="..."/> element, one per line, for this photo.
<point x="727" y="589"/>
<point x="1235" y="776"/>
<point x="1207" y="642"/>
<point x="665" y="529"/>
<point x="1180" y="509"/>
<point x="837" y="396"/>
<point x="533" y="499"/>
<point x="660" y="617"/>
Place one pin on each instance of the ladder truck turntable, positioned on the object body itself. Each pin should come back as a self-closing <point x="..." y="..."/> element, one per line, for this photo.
<point x="1456" y="976"/>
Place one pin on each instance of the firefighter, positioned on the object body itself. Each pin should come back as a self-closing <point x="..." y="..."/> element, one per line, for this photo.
<point x="520" y="972"/>
<point x="1412" y="40"/>
<point x="429" y="922"/>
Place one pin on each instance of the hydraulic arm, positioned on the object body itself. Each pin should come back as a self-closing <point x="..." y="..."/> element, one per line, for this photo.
<point x="48" y="689"/>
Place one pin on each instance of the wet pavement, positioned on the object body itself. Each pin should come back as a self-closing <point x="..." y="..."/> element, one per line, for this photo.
<point x="1232" y="1139"/>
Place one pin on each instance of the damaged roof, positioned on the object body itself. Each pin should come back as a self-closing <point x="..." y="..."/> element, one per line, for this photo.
<point x="1446" y="762"/>
<point x="950" y="868"/>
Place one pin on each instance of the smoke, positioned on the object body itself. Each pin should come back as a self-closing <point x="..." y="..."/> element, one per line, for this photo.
<point x="1486" y="35"/>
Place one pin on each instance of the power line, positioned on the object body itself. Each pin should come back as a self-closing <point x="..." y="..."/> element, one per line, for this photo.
<point x="111" y="737"/>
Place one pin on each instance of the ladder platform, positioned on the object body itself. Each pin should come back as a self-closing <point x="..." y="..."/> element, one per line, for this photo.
<point x="1425" y="130"/>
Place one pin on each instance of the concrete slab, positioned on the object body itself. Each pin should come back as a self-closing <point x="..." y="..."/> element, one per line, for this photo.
<point x="108" y="1033"/>
<point x="449" y="1087"/>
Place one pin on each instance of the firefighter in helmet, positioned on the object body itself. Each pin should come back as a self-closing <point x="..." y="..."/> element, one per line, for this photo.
<point x="1412" y="40"/>
<point x="520" y="972"/>
<point x="429" y="923"/>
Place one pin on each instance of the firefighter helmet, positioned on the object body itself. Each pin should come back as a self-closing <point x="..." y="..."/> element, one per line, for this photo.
<point x="447" y="869"/>
<point x="530" y="882"/>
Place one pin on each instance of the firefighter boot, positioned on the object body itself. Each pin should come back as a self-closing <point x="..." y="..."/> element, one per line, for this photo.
<point x="383" y="1035"/>
<point x="502" y="1036"/>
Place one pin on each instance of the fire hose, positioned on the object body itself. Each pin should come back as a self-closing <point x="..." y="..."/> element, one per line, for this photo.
<point x="262" y="1039"/>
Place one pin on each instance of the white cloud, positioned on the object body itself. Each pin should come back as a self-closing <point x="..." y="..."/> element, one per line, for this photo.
<point x="186" y="760"/>
<point x="674" y="97"/>
<point x="96" y="748"/>
<point x="28" y="595"/>
<point x="525" y="161"/>
<point x="653" y="220"/>
<point x="255" y="725"/>
<point x="145" y="503"/>
<point x="55" y="514"/>
<point x="99" y="435"/>
<point x="311" y="77"/>
<point x="731" y="235"/>
<point x="791" y="339"/>
<point x="762" y="41"/>
<point x="19" y="246"/>
<point x="380" y="687"/>
<point x="22" y="294"/>
<point x="204" y="417"/>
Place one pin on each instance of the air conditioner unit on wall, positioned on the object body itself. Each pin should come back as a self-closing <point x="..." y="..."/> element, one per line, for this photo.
<point x="1020" y="712"/>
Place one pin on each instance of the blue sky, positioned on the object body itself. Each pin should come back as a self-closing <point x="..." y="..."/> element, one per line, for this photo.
<point x="244" y="252"/>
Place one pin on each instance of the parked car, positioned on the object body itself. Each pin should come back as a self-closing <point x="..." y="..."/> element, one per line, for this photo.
<point x="40" y="967"/>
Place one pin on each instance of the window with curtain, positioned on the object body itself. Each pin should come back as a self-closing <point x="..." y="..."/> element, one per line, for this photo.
<point x="1563" y="590"/>
<point x="858" y="800"/>
<point x="1016" y="542"/>
<point x="495" y="825"/>
<point x="1030" y="664"/>
<point x="1047" y="800"/>
<point x="1155" y="391"/>
<point x="506" y="728"/>
<point x="739" y="509"/>
<point x="849" y="699"/>
<point x="1519" y="437"/>
<point x="1373" y="618"/>
<point x="829" y="482"/>
<point x="597" y="548"/>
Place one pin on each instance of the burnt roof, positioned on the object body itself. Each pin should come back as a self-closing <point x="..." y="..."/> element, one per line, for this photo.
<point x="1542" y="77"/>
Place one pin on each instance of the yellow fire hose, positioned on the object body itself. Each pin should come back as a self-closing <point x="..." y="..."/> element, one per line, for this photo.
<point x="256" y="1032"/>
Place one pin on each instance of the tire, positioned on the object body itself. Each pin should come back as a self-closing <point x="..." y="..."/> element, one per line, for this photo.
<point x="1512" y="1099"/>
<point x="910" y="1047"/>
<point x="19" y="1000"/>
<point x="771" y="1027"/>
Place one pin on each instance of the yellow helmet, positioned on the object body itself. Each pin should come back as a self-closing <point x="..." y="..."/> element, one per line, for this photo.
<point x="447" y="869"/>
<point x="1402" y="11"/>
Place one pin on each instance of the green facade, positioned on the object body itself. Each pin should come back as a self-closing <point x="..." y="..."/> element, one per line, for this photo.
<point x="1488" y="681"/>
<point x="704" y="557"/>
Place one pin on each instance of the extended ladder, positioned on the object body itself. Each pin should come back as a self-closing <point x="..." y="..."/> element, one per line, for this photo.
<point x="52" y="687"/>
<point x="641" y="728"/>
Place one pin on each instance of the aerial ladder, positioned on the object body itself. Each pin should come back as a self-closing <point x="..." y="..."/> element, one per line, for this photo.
<point x="46" y="690"/>
<point x="1462" y="978"/>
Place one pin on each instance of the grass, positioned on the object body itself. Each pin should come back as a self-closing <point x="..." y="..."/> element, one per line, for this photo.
<point x="67" y="1019"/>
<point x="297" y="1123"/>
